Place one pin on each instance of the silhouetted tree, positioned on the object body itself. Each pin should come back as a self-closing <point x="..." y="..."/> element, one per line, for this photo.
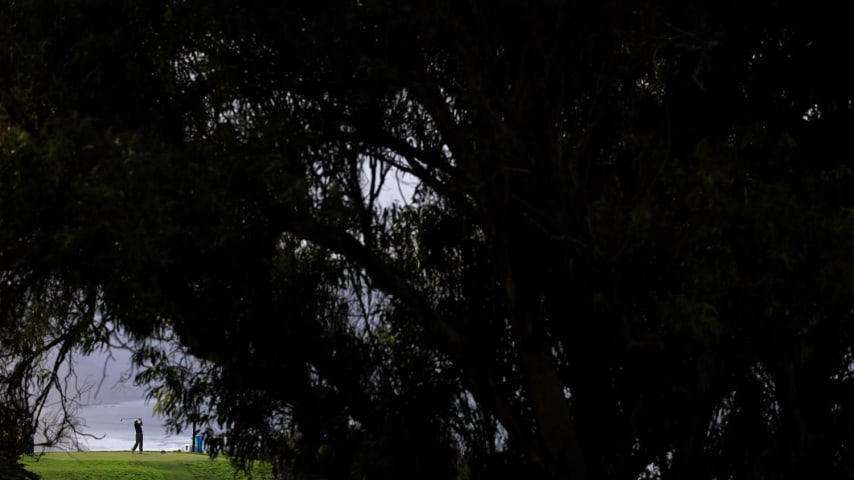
<point x="627" y="255"/>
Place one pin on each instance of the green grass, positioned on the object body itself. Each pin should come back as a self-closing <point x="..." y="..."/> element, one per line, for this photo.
<point x="127" y="466"/>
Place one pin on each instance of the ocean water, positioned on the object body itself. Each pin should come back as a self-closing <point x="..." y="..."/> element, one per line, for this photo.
<point x="105" y="421"/>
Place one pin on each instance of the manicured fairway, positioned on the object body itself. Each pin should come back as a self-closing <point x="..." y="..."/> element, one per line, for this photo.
<point x="127" y="466"/>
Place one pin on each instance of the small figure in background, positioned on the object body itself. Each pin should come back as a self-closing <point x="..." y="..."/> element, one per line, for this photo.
<point x="137" y="425"/>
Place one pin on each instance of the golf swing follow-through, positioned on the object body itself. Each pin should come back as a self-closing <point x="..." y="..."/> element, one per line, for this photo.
<point x="137" y="425"/>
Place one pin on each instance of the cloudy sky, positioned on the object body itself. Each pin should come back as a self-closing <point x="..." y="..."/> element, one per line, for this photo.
<point x="104" y="373"/>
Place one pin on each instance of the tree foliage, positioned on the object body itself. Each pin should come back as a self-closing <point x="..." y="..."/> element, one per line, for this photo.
<point x="627" y="253"/>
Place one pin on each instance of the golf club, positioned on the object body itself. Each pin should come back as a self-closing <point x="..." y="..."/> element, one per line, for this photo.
<point x="127" y="418"/>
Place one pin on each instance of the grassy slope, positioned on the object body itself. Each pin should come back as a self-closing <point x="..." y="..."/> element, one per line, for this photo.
<point x="127" y="466"/>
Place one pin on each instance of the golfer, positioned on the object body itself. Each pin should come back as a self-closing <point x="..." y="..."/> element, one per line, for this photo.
<point x="137" y="425"/>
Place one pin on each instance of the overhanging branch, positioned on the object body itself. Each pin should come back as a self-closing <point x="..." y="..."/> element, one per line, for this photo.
<point x="476" y="375"/>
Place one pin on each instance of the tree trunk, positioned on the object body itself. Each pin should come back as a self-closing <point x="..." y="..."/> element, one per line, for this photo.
<point x="559" y="445"/>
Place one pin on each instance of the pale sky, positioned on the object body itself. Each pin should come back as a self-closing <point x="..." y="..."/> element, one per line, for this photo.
<point x="99" y="369"/>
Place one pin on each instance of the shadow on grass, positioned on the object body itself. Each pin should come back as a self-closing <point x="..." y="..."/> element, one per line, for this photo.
<point x="11" y="469"/>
